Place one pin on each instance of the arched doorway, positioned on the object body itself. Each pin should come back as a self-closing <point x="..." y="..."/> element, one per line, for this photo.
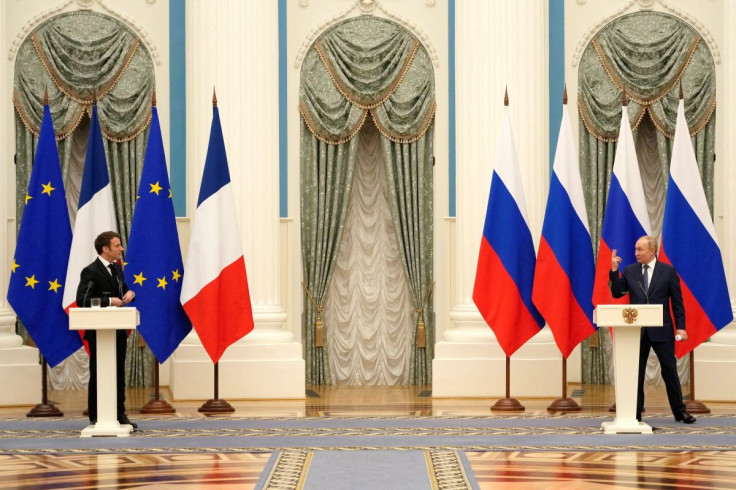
<point x="367" y="68"/>
<point x="81" y="57"/>
<point x="650" y="54"/>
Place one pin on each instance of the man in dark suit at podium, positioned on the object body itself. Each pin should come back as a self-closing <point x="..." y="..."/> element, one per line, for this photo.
<point x="652" y="282"/>
<point x="104" y="279"/>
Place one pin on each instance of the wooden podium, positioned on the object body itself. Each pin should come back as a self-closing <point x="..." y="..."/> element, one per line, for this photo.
<point x="627" y="321"/>
<point x="105" y="321"/>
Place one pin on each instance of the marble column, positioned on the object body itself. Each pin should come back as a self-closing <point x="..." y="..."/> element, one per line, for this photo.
<point x="20" y="371"/>
<point x="236" y="52"/>
<point x="715" y="367"/>
<point x="498" y="45"/>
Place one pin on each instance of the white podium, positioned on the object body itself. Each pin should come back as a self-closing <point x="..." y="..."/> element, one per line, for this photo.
<point x="627" y="321"/>
<point x="105" y="321"/>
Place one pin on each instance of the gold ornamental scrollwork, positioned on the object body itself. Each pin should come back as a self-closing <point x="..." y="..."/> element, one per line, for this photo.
<point x="629" y="315"/>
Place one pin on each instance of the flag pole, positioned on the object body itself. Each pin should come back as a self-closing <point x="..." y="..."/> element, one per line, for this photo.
<point x="624" y="103"/>
<point x="693" y="405"/>
<point x="508" y="404"/>
<point x="44" y="409"/>
<point x="215" y="405"/>
<point x="157" y="404"/>
<point x="564" y="404"/>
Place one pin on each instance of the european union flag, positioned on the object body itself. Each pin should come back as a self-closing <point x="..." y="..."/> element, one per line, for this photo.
<point x="153" y="265"/>
<point x="38" y="274"/>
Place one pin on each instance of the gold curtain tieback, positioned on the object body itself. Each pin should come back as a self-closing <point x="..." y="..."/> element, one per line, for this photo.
<point x="421" y="328"/>
<point x="319" y="336"/>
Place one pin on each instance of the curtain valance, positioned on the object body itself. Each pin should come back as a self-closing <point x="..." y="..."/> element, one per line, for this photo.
<point x="372" y="66"/>
<point x="648" y="54"/>
<point x="77" y="56"/>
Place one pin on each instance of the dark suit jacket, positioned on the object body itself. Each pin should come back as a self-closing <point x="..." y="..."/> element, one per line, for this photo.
<point x="664" y="289"/>
<point x="103" y="285"/>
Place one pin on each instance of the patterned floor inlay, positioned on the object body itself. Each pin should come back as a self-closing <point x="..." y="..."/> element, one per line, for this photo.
<point x="130" y="470"/>
<point x="576" y="470"/>
<point x="501" y="462"/>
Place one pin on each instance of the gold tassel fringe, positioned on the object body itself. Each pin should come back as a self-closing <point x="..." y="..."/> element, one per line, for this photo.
<point x="319" y="336"/>
<point x="421" y="332"/>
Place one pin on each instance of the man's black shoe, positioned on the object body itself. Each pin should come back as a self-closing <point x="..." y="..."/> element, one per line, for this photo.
<point x="93" y="421"/>
<point x="124" y="420"/>
<point x="638" y="416"/>
<point x="685" y="417"/>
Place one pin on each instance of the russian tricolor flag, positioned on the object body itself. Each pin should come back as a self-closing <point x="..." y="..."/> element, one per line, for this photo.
<point x="215" y="292"/>
<point x="563" y="280"/>
<point x="689" y="243"/>
<point x="95" y="214"/>
<point x="626" y="218"/>
<point x="503" y="280"/>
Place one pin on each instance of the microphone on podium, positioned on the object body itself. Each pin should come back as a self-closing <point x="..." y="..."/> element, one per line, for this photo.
<point x="89" y="286"/>
<point x="646" y="295"/>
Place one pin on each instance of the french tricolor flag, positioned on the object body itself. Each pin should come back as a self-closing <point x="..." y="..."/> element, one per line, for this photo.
<point x="215" y="292"/>
<point x="626" y="218"/>
<point x="503" y="280"/>
<point x="689" y="243"/>
<point x="95" y="214"/>
<point x="563" y="279"/>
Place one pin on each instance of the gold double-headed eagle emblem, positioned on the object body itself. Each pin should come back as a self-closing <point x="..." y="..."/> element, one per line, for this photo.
<point x="629" y="315"/>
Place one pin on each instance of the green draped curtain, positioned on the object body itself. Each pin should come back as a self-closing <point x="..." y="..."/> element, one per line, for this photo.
<point x="366" y="67"/>
<point x="78" y="57"/>
<point x="649" y="54"/>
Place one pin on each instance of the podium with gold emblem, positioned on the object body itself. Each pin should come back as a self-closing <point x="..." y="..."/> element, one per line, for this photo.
<point x="627" y="322"/>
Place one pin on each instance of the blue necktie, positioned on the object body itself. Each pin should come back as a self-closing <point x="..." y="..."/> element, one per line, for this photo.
<point x="646" y="277"/>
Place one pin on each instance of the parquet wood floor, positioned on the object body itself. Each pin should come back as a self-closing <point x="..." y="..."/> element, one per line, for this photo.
<point x="493" y="470"/>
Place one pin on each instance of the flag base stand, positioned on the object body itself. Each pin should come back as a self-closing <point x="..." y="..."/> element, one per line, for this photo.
<point x="216" y="405"/>
<point x="564" y="405"/>
<point x="46" y="410"/>
<point x="157" y="406"/>
<point x="693" y="405"/>
<point x="507" y="405"/>
<point x="696" y="406"/>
